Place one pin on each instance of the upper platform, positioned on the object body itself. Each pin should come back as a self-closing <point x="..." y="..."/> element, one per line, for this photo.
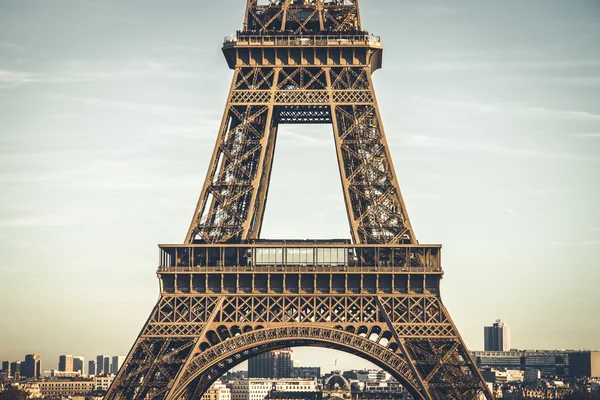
<point x="323" y="256"/>
<point x="309" y="28"/>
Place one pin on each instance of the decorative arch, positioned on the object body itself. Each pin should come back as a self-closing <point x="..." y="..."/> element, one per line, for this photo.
<point x="211" y="363"/>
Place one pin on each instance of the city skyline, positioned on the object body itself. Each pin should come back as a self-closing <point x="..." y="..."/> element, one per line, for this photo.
<point x="48" y="366"/>
<point x="495" y="141"/>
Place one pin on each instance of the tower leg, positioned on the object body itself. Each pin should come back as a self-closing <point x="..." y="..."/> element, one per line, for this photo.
<point x="374" y="203"/>
<point x="232" y="201"/>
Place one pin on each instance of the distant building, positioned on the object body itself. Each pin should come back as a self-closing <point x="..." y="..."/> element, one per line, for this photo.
<point x="261" y="366"/>
<point x="272" y="364"/>
<point x="377" y="375"/>
<point x="15" y="369"/>
<point x="54" y="373"/>
<point x="306" y="372"/>
<point x="32" y="367"/>
<point x="32" y="388"/>
<point x="561" y="363"/>
<point x="6" y="367"/>
<point x="380" y="390"/>
<point x="383" y="386"/>
<point x="217" y="391"/>
<point x="235" y="375"/>
<point x="117" y="362"/>
<point x="78" y="364"/>
<point x="283" y="363"/>
<point x="91" y="367"/>
<point x="106" y="366"/>
<point x="257" y="389"/>
<point x="337" y="387"/>
<point x="532" y="375"/>
<point x="277" y="395"/>
<point x="102" y="382"/>
<point x="100" y="365"/>
<point x="65" y="363"/>
<point x="65" y="387"/>
<point x="585" y="363"/>
<point x="497" y="337"/>
<point x="500" y="377"/>
<point x="356" y="375"/>
<point x="382" y="396"/>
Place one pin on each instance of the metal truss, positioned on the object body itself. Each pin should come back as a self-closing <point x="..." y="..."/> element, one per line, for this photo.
<point x="232" y="203"/>
<point x="377" y="296"/>
<point x="306" y="16"/>
<point x="190" y="341"/>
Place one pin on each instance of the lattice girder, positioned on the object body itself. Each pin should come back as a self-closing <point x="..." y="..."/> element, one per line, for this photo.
<point x="307" y="17"/>
<point x="300" y="62"/>
<point x="214" y="333"/>
<point x="232" y="202"/>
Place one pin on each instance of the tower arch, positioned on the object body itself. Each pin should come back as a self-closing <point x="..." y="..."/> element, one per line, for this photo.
<point x="206" y="367"/>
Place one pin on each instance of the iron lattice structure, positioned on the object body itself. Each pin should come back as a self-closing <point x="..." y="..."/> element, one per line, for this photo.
<point x="227" y="295"/>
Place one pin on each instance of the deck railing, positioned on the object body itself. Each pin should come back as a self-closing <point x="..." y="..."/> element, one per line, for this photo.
<point x="301" y="40"/>
<point x="294" y="257"/>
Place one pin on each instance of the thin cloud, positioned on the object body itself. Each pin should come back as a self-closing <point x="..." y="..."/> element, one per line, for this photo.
<point x="205" y="132"/>
<point x="476" y="65"/>
<point x="74" y="71"/>
<point x="183" y="49"/>
<point x="505" y="108"/>
<point x="560" y="113"/>
<point x="581" y="243"/>
<point x="512" y="212"/>
<point x="561" y="80"/>
<point x="10" y="79"/>
<point x="481" y="107"/>
<point x="129" y="106"/>
<point x="424" y="196"/>
<point x="81" y="70"/>
<point x="12" y="46"/>
<point x="34" y="222"/>
<point x="439" y="9"/>
<point x="98" y="175"/>
<point x="452" y="144"/>
<point x="296" y="139"/>
<point x="588" y="135"/>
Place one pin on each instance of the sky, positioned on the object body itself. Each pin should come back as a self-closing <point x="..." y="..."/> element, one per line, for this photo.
<point x="109" y="111"/>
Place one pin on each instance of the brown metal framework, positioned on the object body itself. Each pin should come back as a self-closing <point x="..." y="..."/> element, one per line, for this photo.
<point x="227" y="296"/>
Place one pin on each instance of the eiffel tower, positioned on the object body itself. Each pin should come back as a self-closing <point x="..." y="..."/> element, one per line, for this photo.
<point x="226" y="295"/>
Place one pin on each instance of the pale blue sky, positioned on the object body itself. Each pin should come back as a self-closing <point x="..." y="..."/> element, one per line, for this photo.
<point x="109" y="111"/>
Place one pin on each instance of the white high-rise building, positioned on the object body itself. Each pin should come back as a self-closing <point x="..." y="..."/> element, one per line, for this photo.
<point x="497" y="337"/>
